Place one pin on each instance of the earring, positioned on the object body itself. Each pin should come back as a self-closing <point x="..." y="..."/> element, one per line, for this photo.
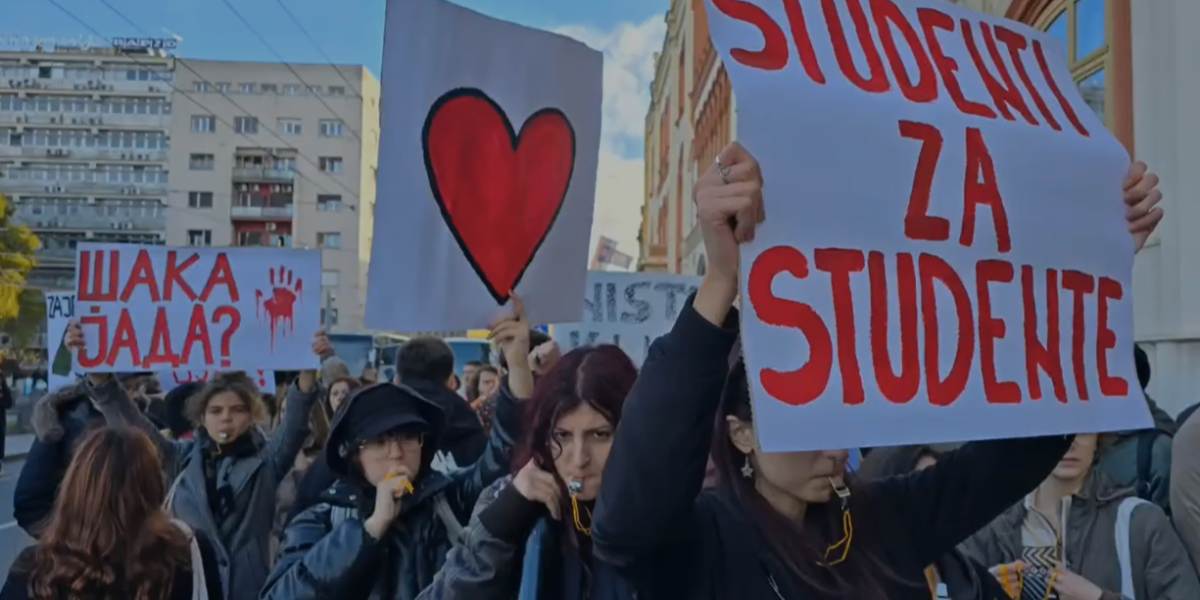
<point x="747" y="469"/>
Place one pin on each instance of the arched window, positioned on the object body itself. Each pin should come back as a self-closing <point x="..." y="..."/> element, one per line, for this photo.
<point x="1096" y="37"/>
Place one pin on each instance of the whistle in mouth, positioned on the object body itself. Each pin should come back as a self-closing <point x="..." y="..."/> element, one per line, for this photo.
<point x="574" y="487"/>
<point x="407" y="484"/>
<point x="223" y="436"/>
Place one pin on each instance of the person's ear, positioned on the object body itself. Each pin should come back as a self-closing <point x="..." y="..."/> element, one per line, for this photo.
<point x="741" y="434"/>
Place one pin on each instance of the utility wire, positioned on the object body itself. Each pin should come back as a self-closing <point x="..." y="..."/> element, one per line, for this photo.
<point x="281" y="59"/>
<point x="317" y="45"/>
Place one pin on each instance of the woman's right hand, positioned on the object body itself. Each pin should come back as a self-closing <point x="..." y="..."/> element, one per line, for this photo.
<point x="539" y="486"/>
<point x="387" y="502"/>
<point x="729" y="207"/>
<point x="75" y="343"/>
<point x="1010" y="576"/>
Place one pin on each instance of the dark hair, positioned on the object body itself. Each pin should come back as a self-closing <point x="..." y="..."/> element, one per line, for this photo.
<point x="176" y="408"/>
<point x="598" y="376"/>
<point x="109" y="537"/>
<point x="537" y="337"/>
<point x="473" y="386"/>
<point x="473" y="363"/>
<point x="236" y="382"/>
<point x="352" y="383"/>
<point x="1142" y="361"/>
<point x="801" y="550"/>
<point x="425" y="359"/>
<point x="896" y="460"/>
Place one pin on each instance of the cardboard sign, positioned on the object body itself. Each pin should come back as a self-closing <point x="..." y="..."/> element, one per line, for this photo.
<point x="945" y="255"/>
<point x="488" y="170"/>
<point x="169" y="380"/>
<point x="150" y="307"/>
<point x="627" y="309"/>
<point x="60" y="309"/>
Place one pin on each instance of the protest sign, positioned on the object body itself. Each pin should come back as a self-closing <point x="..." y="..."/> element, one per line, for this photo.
<point x="60" y="309"/>
<point x="488" y="170"/>
<point x="627" y="309"/>
<point x="155" y="308"/>
<point x="945" y="255"/>
<point x="169" y="380"/>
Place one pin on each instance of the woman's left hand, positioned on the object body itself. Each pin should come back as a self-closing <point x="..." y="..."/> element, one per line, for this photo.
<point x="307" y="381"/>
<point x="1074" y="587"/>
<point x="1141" y="203"/>
<point x="511" y="333"/>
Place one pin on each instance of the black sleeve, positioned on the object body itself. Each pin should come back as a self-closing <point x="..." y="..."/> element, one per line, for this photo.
<point x="658" y="460"/>
<point x="212" y="571"/>
<point x="941" y="506"/>
<point x="511" y="517"/>
<point x="318" y="479"/>
<point x="37" y="486"/>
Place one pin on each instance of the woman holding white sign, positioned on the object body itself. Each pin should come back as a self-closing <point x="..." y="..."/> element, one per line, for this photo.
<point x="791" y="525"/>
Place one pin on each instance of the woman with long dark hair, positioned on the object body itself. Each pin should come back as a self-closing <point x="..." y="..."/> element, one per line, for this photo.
<point x="109" y="537"/>
<point x="781" y="525"/>
<point x="530" y="536"/>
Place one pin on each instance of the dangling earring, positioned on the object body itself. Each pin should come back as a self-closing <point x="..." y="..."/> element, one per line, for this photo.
<point x="747" y="469"/>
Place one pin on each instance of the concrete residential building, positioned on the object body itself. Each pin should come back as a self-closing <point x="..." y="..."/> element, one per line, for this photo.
<point x="263" y="157"/>
<point x="84" y="138"/>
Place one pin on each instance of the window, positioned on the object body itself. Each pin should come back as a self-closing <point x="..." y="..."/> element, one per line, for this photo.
<point x="291" y="90"/>
<point x="223" y="87"/>
<point x="333" y="316"/>
<point x="288" y="126"/>
<point x="1081" y="26"/>
<point x="199" y="237"/>
<point x="331" y="164"/>
<point x="201" y="162"/>
<point x="330" y="277"/>
<point x="329" y="203"/>
<point x="314" y="90"/>
<point x="246" y="88"/>
<point x="329" y="239"/>
<point x="204" y="123"/>
<point x="337" y="90"/>
<point x="269" y="88"/>
<point x="200" y="86"/>
<point x="200" y="199"/>
<point x="247" y="125"/>
<point x="331" y="128"/>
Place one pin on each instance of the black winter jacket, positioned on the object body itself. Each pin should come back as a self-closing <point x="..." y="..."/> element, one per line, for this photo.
<point x="674" y="542"/>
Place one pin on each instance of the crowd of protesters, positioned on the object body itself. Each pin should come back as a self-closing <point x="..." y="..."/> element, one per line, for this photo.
<point x="577" y="475"/>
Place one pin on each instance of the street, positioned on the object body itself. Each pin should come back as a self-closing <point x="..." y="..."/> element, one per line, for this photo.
<point x="12" y="538"/>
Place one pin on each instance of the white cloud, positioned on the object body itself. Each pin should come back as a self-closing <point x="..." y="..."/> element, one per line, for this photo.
<point x="628" y="71"/>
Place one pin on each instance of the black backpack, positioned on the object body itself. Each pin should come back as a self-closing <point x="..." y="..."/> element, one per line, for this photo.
<point x="1145" y="460"/>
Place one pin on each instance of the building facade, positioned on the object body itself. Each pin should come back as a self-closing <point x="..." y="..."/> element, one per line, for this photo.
<point x="269" y="154"/>
<point x="84" y="144"/>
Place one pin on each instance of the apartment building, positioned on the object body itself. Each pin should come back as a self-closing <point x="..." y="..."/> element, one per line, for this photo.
<point x="269" y="154"/>
<point x="84" y="138"/>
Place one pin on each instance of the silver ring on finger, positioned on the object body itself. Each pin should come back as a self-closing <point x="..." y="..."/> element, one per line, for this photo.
<point x="722" y="170"/>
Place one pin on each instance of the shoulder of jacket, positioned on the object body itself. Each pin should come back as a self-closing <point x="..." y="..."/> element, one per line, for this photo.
<point x="492" y="491"/>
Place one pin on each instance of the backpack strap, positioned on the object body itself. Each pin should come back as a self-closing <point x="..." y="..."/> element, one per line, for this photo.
<point x="170" y="499"/>
<point x="1145" y="459"/>
<point x="338" y="514"/>
<point x="454" y="528"/>
<point x="1124" y="549"/>
<point x="199" y="580"/>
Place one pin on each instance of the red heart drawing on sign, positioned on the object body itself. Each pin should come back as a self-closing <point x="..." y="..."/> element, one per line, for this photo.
<point x="499" y="191"/>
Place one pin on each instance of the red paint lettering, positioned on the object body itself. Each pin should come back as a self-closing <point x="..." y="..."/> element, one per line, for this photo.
<point x="197" y="333"/>
<point x="1016" y="43"/>
<point x="1080" y="285"/>
<point x="805" y="384"/>
<point x="1058" y="95"/>
<point x="918" y="224"/>
<point x="992" y="329"/>
<point x="943" y="392"/>
<point x="888" y="17"/>
<point x="1005" y="94"/>
<point x="931" y="21"/>
<point x="124" y="338"/>
<point x="174" y="276"/>
<point x="774" y="53"/>
<point x="91" y="362"/>
<point x="840" y="264"/>
<point x="161" y="352"/>
<point x="1106" y="339"/>
<point x="808" y="57"/>
<point x="903" y="387"/>
<point x="91" y="276"/>
<point x="877" y="82"/>
<point x="1046" y="357"/>
<point x="221" y="274"/>
<point x="980" y="188"/>
<point x="142" y="274"/>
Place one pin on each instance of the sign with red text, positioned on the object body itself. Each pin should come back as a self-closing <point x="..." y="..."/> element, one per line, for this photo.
<point x="199" y="309"/>
<point x="945" y="255"/>
<point x="488" y="170"/>
<point x="169" y="380"/>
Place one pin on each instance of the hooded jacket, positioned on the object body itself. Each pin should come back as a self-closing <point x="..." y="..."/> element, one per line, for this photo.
<point x="327" y="552"/>
<point x="1160" y="566"/>
<point x="1120" y="461"/>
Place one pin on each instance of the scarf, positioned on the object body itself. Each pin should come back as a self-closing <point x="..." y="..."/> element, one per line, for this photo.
<point x="220" y="491"/>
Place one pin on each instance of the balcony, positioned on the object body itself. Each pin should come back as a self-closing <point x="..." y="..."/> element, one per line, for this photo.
<point x="102" y="154"/>
<point x="53" y="119"/>
<point x="262" y="212"/>
<point x="263" y="175"/>
<point x="94" y="218"/>
<point x="55" y="255"/>
<point x="83" y="188"/>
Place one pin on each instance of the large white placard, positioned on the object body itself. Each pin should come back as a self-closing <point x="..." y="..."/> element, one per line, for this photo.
<point x="627" y="309"/>
<point x="60" y="309"/>
<point x="945" y="255"/>
<point x="155" y="307"/>
<point x="487" y="178"/>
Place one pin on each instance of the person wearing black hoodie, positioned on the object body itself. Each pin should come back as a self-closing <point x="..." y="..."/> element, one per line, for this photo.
<point x="426" y="365"/>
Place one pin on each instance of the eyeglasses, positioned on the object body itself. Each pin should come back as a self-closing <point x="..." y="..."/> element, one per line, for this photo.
<point x="407" y="442"/>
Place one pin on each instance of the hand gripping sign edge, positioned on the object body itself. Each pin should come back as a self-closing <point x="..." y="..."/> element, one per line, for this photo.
<point x="468" y="170"/>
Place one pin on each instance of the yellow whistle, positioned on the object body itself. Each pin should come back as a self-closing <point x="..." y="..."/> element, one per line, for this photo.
<point x="407" y="485"/>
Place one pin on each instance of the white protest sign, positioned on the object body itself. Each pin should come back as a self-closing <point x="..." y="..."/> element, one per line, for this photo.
<point x="627" y="309"/>
<point x="169" y="380"/>
<point x="946" y="254"/>
<point x="155" y="307"/>
<point x="487" y="175"/>
<point x="60" y="309"/>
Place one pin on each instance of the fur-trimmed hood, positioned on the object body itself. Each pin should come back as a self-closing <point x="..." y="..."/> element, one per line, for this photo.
<point x="48" y="410"/>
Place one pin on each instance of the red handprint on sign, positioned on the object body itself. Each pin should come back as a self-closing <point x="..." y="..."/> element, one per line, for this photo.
<point x="279" y="304"/>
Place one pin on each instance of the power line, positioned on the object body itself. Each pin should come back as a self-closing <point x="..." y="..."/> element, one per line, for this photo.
<point x="316" y="45"/>
<point x="208" y="110"/>
<point x="280" y="58"/>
